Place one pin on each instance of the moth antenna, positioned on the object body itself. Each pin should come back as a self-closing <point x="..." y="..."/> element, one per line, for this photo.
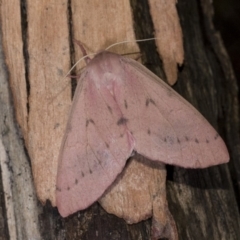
<point x="76" y="64"/>
<point x="83" y="58"/>
<point x="86" y="56"/>
<point x="128" y="41"/>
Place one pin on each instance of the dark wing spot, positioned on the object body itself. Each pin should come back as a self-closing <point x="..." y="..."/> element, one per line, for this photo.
<point x="165" y="139"/>
<point x="149" y="100"/>
<point x="149" y="132"/>
<point x="68" y="188"/>
<point x="122" y="121"/>
<point x="89" y="121"/>
<point x="207" y="141"/>
<point x="121" y="136"/>
<point x="178" y="140"/>
<point x="109" y="109"/>
<point x="82" y="174"/>
<point x="196" y="140"/>
<point x="186" y="138"/>
<point x="90" y="170"/>
<point x="58" y="189"/>
<point x="76" y="181"/>
<point x="216" y="136"/>
<point x="125" y="104"/>
<point x="107" y="145"/>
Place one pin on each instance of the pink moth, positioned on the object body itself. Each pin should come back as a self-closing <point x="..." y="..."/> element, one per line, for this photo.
<point x="119" y="108"/>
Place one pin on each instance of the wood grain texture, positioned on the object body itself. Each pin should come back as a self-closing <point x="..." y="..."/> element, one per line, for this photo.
<point x="169" y="36"/>
<point x="13" y="50"/>
<point x="37" y="78"/>
<point x="50" y="93"/>
<point x="139" y="193"/>
<point x="19" y="211"/>
<point x="98" y="25"/>
<point x="36" y="38"/>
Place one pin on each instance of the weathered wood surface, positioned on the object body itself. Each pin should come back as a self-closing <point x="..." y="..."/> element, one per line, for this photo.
<point x="38" y="50"/>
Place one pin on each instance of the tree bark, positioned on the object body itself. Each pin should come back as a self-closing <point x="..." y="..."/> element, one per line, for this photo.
<point x="204" y="203"/>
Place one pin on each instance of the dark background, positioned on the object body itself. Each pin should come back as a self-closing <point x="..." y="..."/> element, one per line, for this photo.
<point x="227" y="22"/>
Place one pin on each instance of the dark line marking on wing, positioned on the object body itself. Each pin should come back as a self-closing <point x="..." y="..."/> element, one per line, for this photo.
<point x="186" y="138"/>
<point x="216" y="136"/>
<point x="207" y="141"/>
<point x="89" y="121"/>
<point x="149" y="132"/>
<point x="196" y="140"/>
<point x="122" y="121"/>
<point x="76" y="181"/>
<point x="109" y="109"/>
<point x="148" y="101"/>
<point x="125" y="104"/>
<point x="82" y="174"/>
